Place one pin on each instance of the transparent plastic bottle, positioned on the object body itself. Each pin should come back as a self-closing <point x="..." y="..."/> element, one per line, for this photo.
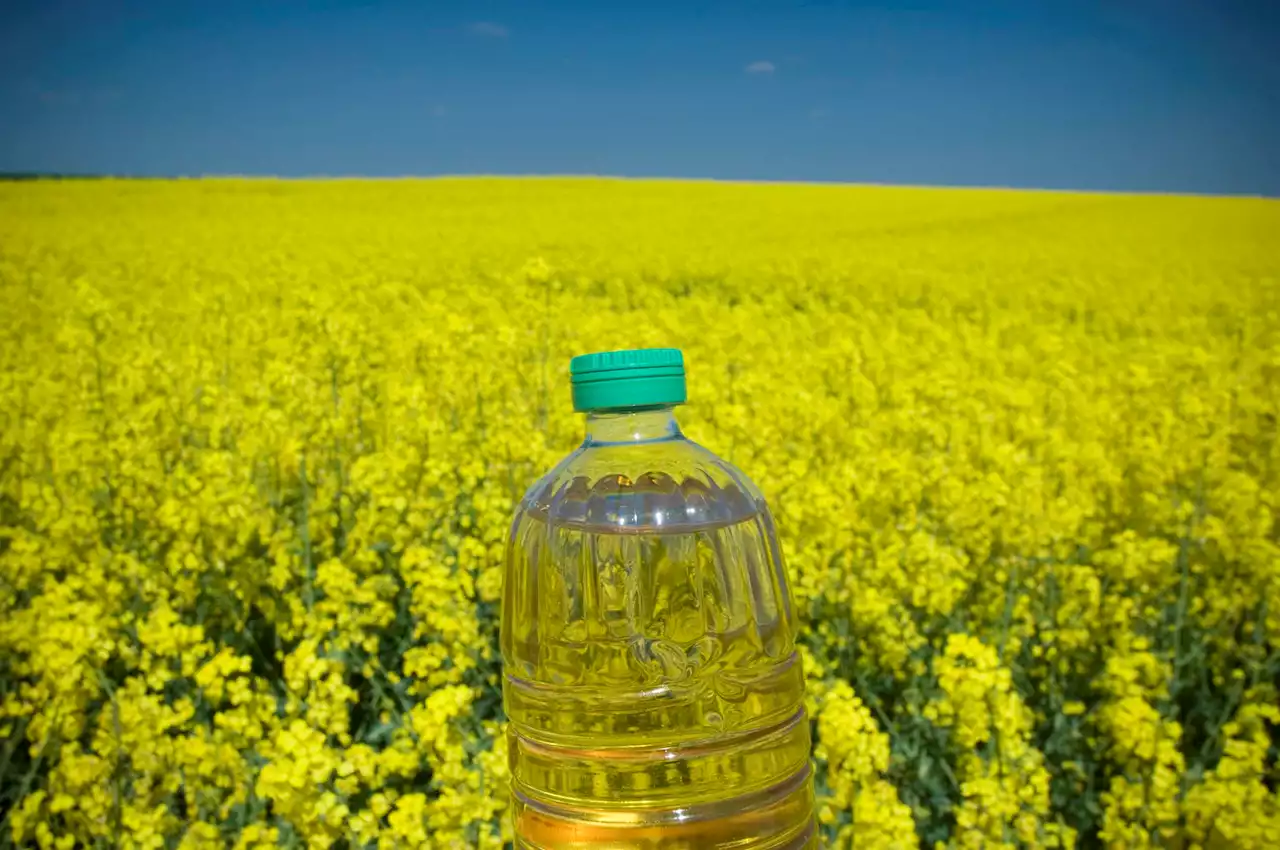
<point x="655" y="695"/>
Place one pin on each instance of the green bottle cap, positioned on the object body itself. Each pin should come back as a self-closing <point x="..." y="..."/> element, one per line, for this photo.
<point x="620" y="380"/>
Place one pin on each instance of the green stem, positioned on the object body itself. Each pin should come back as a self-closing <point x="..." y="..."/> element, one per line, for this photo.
<point x="304" y="521"/>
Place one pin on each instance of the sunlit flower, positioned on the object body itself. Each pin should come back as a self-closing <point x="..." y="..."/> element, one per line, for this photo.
<point x="260" y="444"/>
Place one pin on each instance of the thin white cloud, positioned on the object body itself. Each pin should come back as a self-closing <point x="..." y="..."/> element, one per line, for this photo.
<point x="488" y="29"/>
<point x="58" y="97"/>
<point x="761" y="67"/>
<point x="71" y="97"/>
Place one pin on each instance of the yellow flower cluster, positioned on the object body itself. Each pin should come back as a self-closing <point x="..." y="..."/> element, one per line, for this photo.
<point x="1003" y="780"/>
<point x="260" y="442"/>
<point x="861" y="802"/>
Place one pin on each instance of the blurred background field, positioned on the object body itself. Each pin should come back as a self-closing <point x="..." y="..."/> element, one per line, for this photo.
<point x="260" y="442"/>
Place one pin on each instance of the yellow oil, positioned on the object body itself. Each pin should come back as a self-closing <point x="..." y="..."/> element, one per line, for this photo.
<point x="653" y="688"/>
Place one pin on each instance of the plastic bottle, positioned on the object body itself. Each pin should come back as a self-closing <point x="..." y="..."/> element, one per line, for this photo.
<point x="651" y="680"/>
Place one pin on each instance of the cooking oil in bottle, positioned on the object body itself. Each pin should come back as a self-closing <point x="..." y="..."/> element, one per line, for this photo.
<point x="655" y="696"/>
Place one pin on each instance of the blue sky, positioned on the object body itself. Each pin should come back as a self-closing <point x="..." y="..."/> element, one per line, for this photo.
<point x="1152" y="95"/>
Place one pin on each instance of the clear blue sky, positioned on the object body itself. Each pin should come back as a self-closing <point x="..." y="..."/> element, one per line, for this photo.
<point x="1163" y="95"/>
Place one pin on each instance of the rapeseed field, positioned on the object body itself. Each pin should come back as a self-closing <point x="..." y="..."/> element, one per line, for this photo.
<point x="260" y="442"/>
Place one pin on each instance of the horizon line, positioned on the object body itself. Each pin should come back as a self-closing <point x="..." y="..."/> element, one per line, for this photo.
<point x="33" y="176"/>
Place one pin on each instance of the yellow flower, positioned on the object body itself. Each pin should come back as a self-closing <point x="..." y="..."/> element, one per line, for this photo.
<point x="260" y="443"/>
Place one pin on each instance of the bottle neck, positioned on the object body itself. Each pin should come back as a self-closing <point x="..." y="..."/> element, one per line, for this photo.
<point x="632" y="426"/>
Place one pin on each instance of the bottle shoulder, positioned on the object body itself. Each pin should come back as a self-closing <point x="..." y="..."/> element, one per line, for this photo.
<point x="662" y="484"/>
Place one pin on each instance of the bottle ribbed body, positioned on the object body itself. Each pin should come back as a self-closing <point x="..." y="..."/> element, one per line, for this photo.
<point x="654" y="693"/>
